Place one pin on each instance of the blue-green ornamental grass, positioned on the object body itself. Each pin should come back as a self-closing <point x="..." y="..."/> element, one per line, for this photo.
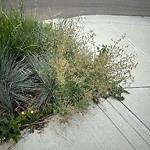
<point x="49" y="69"/>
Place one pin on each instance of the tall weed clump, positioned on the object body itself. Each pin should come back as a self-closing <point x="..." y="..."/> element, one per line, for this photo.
<point x="75" y="74"/>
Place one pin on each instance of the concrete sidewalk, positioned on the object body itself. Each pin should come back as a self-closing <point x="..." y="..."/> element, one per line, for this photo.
<point x="115" y="125"/>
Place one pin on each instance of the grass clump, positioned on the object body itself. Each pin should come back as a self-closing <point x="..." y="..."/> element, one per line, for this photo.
<point x="54" y="68"/>
<point x="19" y="33"/>
<point x="15" y="83"/>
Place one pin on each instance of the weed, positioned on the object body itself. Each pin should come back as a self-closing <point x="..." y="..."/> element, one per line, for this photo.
<point x="10" y="127"/>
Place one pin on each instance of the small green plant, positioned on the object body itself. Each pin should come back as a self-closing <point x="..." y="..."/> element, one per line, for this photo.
<point x="10" y="127"/>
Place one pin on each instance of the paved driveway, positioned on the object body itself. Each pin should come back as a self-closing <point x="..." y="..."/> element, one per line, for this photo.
<point x="69" y="8"/>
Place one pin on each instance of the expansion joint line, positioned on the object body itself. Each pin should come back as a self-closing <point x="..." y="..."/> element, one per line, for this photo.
<point x="129" y="123"/>
<point x="137" y="87"/>
<point x="136" y="116"/>
<point x="117" y="127"/>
